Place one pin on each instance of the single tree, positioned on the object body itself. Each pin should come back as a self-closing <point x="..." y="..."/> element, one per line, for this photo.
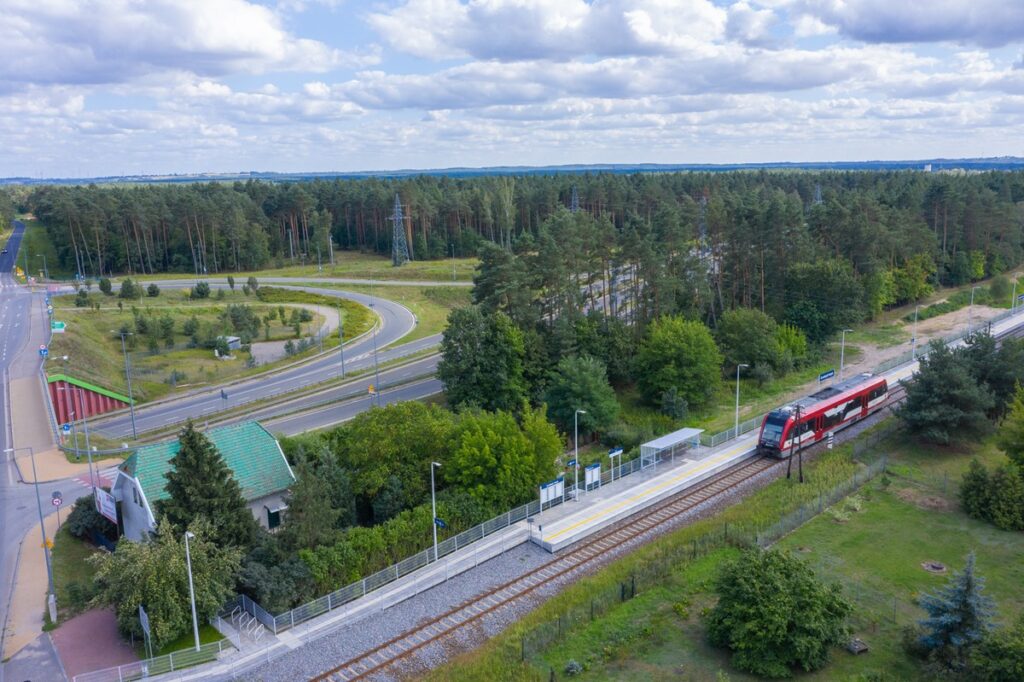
<point x="106" y="287"/>
<point x="231" y="282"/>
<point x="682" y="354"/>
<point x="389" y="500"/>
<point x="944" y="402"/>
<point x="581" y="383"/>
<point x="775" y="615"/>
<point x="482" y="360"/>
<point x="200" y="483"/>
<point x="153" y="290"/>
<point x="959" y="616"/>
<point x="1006" y="498"/>
<point x="999" y="657"/>
<point x="748" y="336"/>
<point x="201" y="290"/>
<point x="154" y="575"/>
<point x="1011" y="432"/>
<point x="975" y="491"/>
<point x="311" y="520"/>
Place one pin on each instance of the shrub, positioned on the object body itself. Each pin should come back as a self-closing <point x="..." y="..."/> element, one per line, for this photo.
<point x="152" y="290"/>
<point x="106" y="287"/>
<point x="573" y="668"/>
<point x="201" y="290"/>
<point x="84" y="520"/>
<point x="82" y="299"/>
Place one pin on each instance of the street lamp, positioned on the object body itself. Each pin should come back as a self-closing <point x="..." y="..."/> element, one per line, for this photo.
<point x="738" y="367"/>
<point x="842" y="353"/>
<point x="128" y="376"/>
<point x="576" y="448"/>
<point x="376" y="370"/>
<point x="913" y="347"/>
<point x="52" y="600"/>
<point x="341" y="341"/>
<point x="970" y="311"/>
<point x="191" y="589"/>
<point x="433" y="505"/>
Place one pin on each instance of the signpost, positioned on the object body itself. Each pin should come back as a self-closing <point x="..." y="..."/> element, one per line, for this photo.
<point x="826" y="375"/>
<point x="439" y="522"/>
<point x="57" y="499"/>
<point x="43" y="350"/>
<point x="551" y="491"/>
<point x="66" y="428"/>
<point x="58" y="327"/>
<point x="612" y="454"/>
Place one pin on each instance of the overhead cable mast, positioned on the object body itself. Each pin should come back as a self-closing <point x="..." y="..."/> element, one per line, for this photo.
<point x="399" y="247"/>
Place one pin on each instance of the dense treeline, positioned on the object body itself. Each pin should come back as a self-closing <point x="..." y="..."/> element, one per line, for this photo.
<point x="759" y="226"/>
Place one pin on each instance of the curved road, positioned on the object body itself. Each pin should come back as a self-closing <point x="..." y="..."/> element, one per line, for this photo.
<point x="396" y="321"/>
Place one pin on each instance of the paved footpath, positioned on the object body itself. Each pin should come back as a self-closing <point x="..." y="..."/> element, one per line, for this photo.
<point x="91" y="641"/>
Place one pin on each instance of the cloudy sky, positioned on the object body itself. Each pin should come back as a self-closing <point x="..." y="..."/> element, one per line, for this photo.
<point x="102" y="87"/>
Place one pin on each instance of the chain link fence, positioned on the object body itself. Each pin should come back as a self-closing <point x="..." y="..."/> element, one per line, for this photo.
<point x="176" y="661"/>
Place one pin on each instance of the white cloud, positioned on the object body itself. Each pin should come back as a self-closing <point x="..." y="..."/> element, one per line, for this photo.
<point x="749" y="25"/>
<point x="982" y="22"/>
<point x="113" y="41"/>
<point x="509" y="30"/>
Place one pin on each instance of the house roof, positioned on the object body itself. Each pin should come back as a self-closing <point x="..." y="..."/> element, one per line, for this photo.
<point x="249" y="450"/>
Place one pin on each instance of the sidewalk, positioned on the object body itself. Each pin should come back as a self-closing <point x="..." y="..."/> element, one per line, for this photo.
<point x="28" y="602"/>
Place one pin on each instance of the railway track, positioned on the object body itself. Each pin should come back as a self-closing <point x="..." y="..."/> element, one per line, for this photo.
<point x="406" y="644"/>
<point x="380" y="658"/>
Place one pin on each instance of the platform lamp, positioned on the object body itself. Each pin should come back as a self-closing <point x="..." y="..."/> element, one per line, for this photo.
<point x="842" y="353"/>
<point x="189" y="535"/>
<point x="576" y="448"/>
<point x="128" y="377"/>
<point x="738" y="368"/>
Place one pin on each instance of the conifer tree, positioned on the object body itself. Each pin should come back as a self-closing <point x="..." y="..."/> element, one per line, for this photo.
<point x="974" y="491"/>
<point x="1011" y="431"/>
<point x="959" y="616"/>
<point x="200" y="484"/>
<point x="1006" y="498"/>
<point x="311" y="520"/>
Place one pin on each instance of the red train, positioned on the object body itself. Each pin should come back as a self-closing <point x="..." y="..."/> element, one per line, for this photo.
<point x="828" y="410"/>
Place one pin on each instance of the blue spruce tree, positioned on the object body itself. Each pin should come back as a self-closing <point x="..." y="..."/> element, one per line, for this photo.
<point x="959" y="615"/>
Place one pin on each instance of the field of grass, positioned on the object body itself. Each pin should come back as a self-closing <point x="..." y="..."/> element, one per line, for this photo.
<point x="94" y="348"/>
<point x="34" y="245"/>
<point x="72" y="574"/>
<point x="356" y="265"/>
<point x="430" y="305"/>
<point x="659" y="634"/>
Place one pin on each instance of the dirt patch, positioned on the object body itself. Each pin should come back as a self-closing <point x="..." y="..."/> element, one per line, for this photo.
<point x="919" y="499"/>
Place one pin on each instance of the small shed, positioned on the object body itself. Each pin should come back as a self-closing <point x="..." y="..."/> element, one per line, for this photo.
<point x="672" y="444"/>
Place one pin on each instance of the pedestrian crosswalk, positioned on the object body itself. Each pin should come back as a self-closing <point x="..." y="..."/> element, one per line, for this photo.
<point x="104" y="478"/>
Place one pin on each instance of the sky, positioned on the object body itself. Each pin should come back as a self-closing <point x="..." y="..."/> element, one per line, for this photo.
<point x="117" y="87"/>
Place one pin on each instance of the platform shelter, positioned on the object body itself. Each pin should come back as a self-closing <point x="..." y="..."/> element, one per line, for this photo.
<point x="668" y="446"/>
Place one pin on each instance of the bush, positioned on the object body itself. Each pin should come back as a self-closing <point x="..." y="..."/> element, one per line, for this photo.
<point x="129" y="290"/>
<point x="573" y="668"/>
<point x="84" y="520"/>
<point x="153" y="290"/>
<point x="201" y="290"/>
<point x="775" y="615"/>
<point x="82" y="299"/>
<point x="106" y="287"/>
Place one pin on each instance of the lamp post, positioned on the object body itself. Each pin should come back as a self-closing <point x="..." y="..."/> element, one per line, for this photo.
<point x="341" y="341"/>
<point x="191" y="589"/>
<point x="376" y="370"/>
<point x="738" y="367"/>
<point x="576" y="448"/>
<point x="128" y="376"/>
<point x="1013" y="299"/>
<point x="433" y="505"/>
<point x="52" y="599"/>
<point x="913" y="347"/>
<point x="842" y="353"/>
<point x="970" y="311"/>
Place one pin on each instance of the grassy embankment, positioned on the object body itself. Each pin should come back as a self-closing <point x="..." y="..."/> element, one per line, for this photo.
<point x="72" y="574"/>
<point x="35" y="244"/>
<point x="94" y="348"/>
<point x="876" y="555"/>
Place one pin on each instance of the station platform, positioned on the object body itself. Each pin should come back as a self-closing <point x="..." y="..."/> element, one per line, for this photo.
<point x="573" y="521"/>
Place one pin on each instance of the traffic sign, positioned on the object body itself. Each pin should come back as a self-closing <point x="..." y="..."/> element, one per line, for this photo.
<point x="571" y="463"/>
<point x="440" y="523"/>
<point x="66" y="428"/>
<point x="371" y="389"/>
<point x="43" y="351"/>
<point x="58" y="327"/>
<point x="49" y="310"/>
<point x="56" y="502"/>
<point x="826" y="375"/>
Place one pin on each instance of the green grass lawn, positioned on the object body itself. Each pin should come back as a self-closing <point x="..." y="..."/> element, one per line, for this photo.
<point x="876" y="556"/>
<point x="35" y="244"/>
<point x="94" y="348"/>
<point x="207" y="634"/>
<point x="430" y="305"/>
<point x="72" y="574"/>
<point x="356" y="265"/>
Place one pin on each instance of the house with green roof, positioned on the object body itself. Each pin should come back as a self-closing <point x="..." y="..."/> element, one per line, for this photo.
<point x="250" y="451"/>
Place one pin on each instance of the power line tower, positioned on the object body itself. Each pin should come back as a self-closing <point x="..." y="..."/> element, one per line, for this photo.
<point x="574" y="202"/>
<point x="399" y="247"/>
<point x="817" y="194"/>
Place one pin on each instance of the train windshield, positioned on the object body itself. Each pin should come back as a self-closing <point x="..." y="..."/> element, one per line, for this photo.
<point x="771" y="434"/>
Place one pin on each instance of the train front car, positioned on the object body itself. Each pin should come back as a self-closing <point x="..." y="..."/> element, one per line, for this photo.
<point x="773" y="431"/>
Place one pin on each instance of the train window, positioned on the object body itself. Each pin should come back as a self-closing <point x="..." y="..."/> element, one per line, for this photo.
<point x="832" y="419"/>
<point x="877" y="392"/>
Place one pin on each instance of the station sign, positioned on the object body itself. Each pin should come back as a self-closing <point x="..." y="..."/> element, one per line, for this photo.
<point x="826" y="375"/>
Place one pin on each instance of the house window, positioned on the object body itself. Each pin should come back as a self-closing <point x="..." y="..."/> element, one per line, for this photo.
<point x="273" y="518"/>
<point x="135" y="496"/>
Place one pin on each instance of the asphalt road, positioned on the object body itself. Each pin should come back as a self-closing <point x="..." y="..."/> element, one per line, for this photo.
<point x="18" y="509"/>
<point x="396" y="322"/>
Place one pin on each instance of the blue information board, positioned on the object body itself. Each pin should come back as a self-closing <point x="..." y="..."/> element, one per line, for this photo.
<point x="826" y="375"/>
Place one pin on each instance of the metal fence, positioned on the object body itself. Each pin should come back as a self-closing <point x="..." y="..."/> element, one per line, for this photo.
<point x="714" y="440"/>
<point x="178" y="660"/>
<point x="659" y="569"/>
<point x="370" y="583"/>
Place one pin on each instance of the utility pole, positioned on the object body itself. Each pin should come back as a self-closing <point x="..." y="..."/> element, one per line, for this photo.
<point x="842" y="353"/>
<point x="913" y="347"/>
<point x="128" y="376"/>
<point x="792" y="445"/>
<point x="341" y="342"/>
